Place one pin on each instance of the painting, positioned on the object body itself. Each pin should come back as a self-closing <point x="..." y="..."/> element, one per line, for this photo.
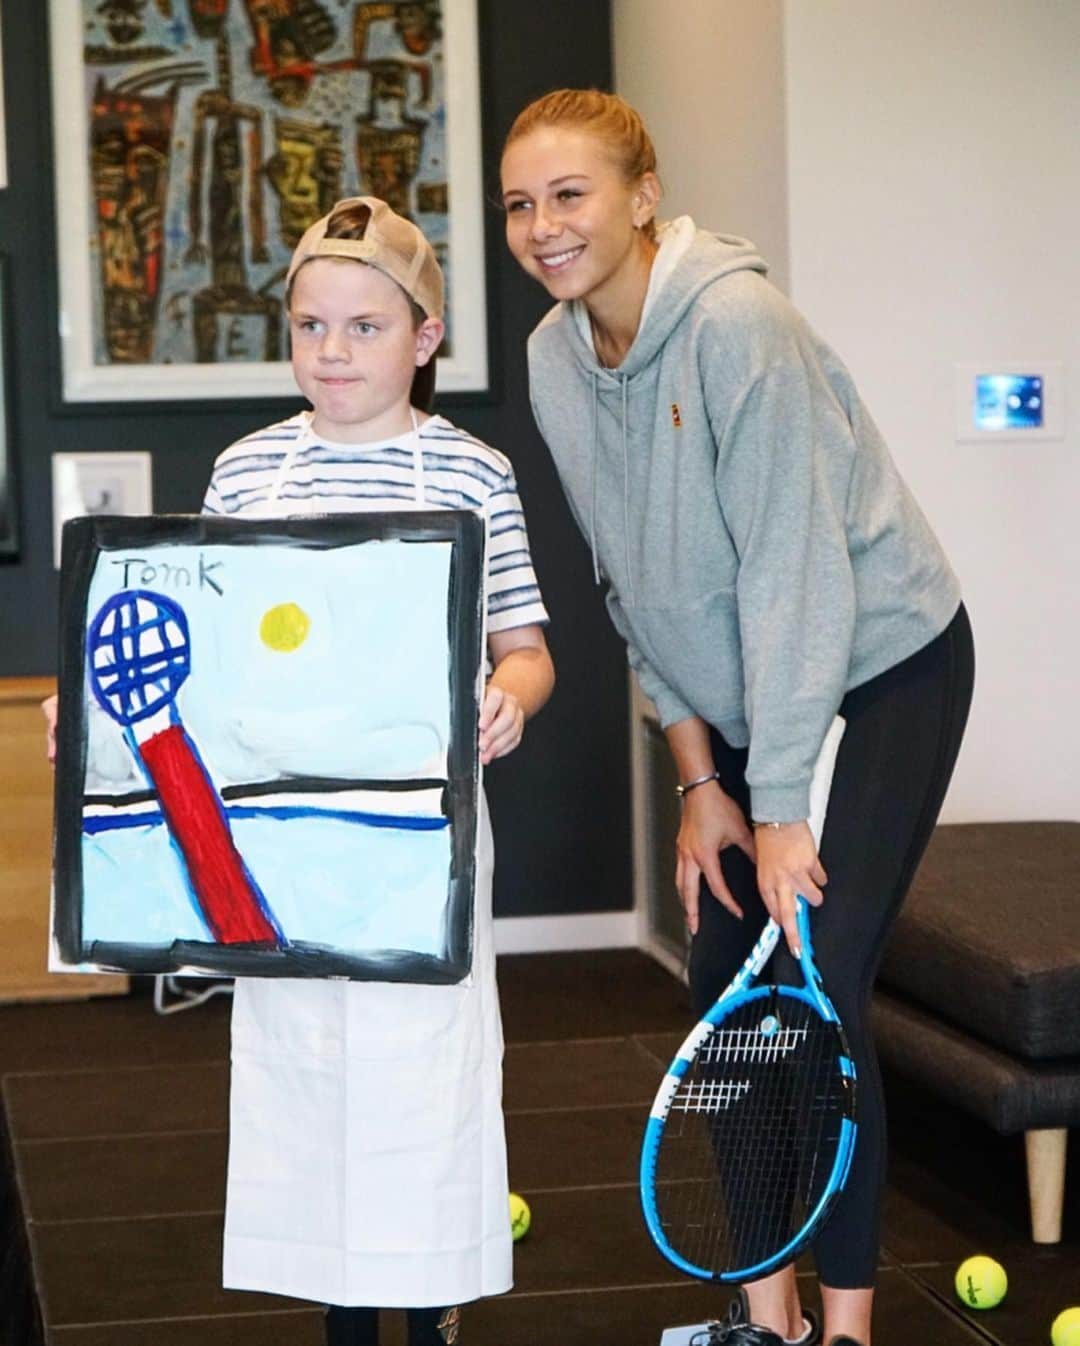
<point x="9" y="531"/>
<point x="262" y="770"/>
<point x="196" y="140"/>
<point x="99" y="483"/>
<point x="3" y="130"/>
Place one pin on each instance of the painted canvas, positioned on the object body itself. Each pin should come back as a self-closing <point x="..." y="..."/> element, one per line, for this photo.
<point x="196" y="140"/>
<point x="267" y="753"/>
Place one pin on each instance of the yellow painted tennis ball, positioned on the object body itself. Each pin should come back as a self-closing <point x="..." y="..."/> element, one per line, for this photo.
<point x="981" y="1283"/>
<point x="1066" y="1328"/>
<point x="284" y="628"/>
<point x="520" y="1216"/>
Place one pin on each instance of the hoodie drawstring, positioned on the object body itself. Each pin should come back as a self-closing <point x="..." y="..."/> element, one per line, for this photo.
<point x="624" y="387"/>
<point x="595" y="471"/>
<point x="625" y="382"/>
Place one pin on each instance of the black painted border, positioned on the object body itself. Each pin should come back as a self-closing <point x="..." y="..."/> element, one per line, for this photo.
<point x="83" y="542"/>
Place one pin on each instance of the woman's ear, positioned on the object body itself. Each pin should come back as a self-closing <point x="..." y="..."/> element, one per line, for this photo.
<point x="647" y="196"/>
<point x="429" y="337"/>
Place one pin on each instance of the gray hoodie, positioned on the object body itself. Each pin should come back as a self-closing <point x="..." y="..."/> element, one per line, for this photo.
<point x="764" y="555"/>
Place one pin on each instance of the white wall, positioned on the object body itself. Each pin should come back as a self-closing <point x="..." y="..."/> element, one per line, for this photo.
<point x="692" y="69"/>
<point x="934" y="197"/>
<point x="929" y="214"/>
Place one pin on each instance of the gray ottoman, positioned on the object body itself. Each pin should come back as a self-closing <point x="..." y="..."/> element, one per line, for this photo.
<point x="978" y="996"/>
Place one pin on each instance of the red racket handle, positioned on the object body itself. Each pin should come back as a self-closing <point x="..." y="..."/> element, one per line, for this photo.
<point x="230" y="902"/>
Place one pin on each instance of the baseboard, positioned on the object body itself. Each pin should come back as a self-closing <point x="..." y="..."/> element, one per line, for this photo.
<point x="550" y="934"/>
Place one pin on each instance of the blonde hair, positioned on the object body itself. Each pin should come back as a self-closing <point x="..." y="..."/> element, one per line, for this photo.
<point x="604" y="115"/>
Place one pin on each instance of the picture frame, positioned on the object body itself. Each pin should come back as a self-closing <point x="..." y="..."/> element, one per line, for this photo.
<point x="191" y="151"/>
<point x="239" y="696"/>
<point x="9" y="525"/>
<point x="87" y="484"/>
<point x="3" y="129"/>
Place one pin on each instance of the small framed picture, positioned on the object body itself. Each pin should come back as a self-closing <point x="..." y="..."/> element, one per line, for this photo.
<point x="98" y="483"/>
<point x="9" y="531"/>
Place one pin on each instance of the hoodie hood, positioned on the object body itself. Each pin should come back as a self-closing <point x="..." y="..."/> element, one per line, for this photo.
<point x="688" y="261"/>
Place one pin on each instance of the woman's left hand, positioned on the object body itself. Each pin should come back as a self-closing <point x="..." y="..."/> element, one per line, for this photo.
<point x="502" y="722"/>
<point x="787" y="865"/>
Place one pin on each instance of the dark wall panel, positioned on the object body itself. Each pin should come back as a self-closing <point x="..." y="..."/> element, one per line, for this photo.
<point x="560" y="804"/>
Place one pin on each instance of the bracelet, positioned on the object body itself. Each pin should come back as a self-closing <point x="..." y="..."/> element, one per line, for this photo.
<point x="681" y="790"/>
<point x="776" y="826"/>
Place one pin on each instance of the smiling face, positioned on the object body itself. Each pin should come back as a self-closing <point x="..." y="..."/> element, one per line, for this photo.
<point x="355" y="349"/>
<point x="573" y="220"/>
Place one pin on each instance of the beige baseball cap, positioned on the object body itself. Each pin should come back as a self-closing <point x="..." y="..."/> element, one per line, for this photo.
<point x="391" y="244"/>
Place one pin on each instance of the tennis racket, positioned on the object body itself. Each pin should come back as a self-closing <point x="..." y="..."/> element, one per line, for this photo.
<point x="138" y="657"/>
<point x="750" y="1137"/>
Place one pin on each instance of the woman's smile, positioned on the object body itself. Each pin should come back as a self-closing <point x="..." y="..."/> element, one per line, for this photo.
<point x="558" y="261"/>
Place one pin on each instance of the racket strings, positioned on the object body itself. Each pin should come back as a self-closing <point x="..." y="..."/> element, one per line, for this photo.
<point x="751" y="1135"/>
<point x="139" y="653"/>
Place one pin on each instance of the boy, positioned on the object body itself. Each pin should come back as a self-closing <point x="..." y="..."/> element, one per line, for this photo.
<point x="367" y="1162"/>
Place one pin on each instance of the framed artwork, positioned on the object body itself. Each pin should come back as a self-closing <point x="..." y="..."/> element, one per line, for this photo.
<point x="3" y="131"/>
<point x="98" y="483"/>
<point x="262" y="770"/>
<point x="9" y="531"/>
<point x="196" y="140"/>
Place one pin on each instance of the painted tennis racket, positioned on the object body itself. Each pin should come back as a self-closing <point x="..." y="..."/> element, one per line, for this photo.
<point x="750" y="1137"/>
<point x="138" y="657"/>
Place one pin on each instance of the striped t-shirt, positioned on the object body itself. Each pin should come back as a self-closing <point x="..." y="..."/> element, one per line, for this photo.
<point x="324" y="477"/>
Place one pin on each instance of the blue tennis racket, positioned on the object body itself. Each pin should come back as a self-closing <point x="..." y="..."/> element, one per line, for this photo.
<point x="751" y="1135"/>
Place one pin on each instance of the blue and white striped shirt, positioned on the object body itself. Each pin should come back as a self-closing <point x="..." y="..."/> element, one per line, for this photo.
<point x="323" y="477"/>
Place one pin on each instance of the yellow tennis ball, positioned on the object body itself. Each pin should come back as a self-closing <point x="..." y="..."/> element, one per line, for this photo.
<point x="981" y="1282"/>
<point x="520" y="1216"/>
<point x="1066" y="1328"/>
<point x="284" y="628"/>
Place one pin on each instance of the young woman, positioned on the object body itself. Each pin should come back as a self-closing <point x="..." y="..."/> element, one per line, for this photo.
<point x="768" y="570"/>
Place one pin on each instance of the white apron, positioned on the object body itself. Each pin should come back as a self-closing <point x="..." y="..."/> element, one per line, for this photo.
<point x="367" y="1155"/>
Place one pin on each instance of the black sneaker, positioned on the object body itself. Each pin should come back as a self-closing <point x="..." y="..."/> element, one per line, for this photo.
<point x="737" y="1329"/>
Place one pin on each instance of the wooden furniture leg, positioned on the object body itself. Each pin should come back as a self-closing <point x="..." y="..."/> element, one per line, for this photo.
<point x="1046" y="1182"/>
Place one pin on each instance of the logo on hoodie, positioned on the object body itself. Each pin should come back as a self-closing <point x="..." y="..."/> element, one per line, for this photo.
<point x="676" y="416"/>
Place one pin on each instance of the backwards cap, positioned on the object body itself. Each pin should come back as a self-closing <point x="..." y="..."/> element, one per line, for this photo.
<point x="391" y="244"/>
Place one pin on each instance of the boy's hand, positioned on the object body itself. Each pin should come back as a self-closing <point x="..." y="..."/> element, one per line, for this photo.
<point x="49" y="710"/>
<point x="502" y="722"/>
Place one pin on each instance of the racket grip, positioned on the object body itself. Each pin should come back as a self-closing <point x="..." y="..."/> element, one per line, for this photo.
<point x="232" y="905"/>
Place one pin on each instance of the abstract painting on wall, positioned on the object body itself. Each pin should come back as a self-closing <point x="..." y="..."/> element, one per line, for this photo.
<point x="196" y="140"/>
<point x="267" y="748"/>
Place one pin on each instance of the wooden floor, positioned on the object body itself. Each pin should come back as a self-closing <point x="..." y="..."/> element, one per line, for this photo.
<point x="116" y="1139"/>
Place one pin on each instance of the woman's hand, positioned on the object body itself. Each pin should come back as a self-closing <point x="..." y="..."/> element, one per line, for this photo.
<point x="787" y="865"/>
<point x="711" y="821"/>
<point x="502" y="722"/>
<point x="49" y="710"/>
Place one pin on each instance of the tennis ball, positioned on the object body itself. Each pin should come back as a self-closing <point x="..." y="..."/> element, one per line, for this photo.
<point x="520" y="1216"/>
<point x="981" y="1283"/>
<point x="1066" y="1328"/>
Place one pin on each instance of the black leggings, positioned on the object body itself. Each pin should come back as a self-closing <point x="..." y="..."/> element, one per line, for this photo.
<point x="360" y="1327"/>
<point x="896" y="757"/>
